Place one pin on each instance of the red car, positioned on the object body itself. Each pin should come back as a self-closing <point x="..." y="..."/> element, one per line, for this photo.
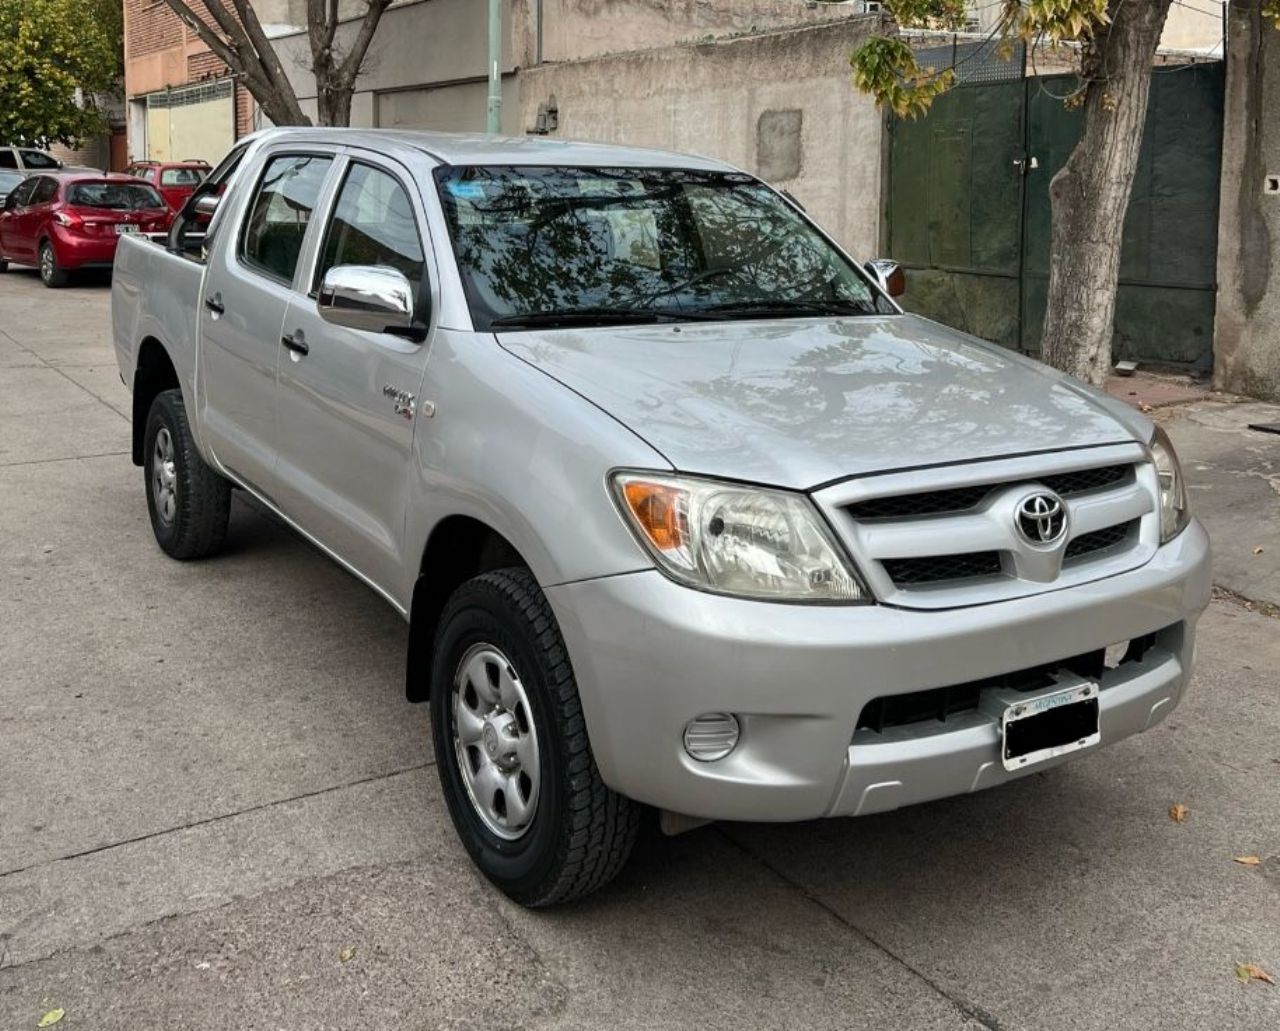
<point x="176" y="180"/>
<point x="63" y="222"/>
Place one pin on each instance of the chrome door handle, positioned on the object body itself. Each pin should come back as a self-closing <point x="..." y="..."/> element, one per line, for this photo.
<point x="295" y="343"/>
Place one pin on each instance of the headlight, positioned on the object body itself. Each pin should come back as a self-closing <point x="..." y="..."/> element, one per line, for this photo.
<point x="1175" y="513"/>
<point x="745" y="541"/>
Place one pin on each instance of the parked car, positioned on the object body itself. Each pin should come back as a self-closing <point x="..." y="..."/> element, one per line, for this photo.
<point x="682" y="509"/>
<point x="64" y="222"/>
<point x="176" y="180"/>
<point x="8" y="180"/>
<point x="28" y="159"/>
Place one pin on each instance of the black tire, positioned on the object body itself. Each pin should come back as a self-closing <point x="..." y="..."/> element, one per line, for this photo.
<point x="50" y="274"/>
<point x="4" y="265"/>
<point x="192" y="522"/>
<point x="581" y="833"/>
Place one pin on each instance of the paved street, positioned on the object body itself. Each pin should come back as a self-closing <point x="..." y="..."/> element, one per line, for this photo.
<point x="211" y="786"/>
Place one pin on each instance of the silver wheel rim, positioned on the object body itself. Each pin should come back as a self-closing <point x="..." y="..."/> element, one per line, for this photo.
<point x="46" y="262"/>
<point x="495" y="741"/>
<point x="164" y="477"/>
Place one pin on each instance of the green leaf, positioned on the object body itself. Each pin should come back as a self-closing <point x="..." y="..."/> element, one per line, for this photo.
<point x="52" y="1017"/>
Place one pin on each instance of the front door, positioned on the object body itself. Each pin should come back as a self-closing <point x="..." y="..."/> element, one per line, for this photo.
<point x="345" y="437"/>
<point x="247" y="291"/>
<point x="12" y="243"/>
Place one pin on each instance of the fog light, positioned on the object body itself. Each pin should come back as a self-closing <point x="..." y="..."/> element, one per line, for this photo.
<point x="711" y="736"/>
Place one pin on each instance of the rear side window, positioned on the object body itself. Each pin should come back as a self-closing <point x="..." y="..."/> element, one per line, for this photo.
<point x="373" y="224"/>
<point x="180" y="177"/>
<point x="281" y="212"/>
<point x="39" y="159"/>
<point x="7" y="158"/>
<point x="115" y="195"/>
<point x="44" y="191"/>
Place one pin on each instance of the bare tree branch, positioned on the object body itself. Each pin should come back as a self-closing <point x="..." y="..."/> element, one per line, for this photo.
<point x="355" y="56"/>
<point x="243" y="47"/>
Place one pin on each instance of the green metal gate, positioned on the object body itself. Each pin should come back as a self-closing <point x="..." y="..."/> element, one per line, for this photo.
<point x="969" y="216"/>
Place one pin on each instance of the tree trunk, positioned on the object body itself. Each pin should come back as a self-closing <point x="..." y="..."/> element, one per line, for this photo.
<point x="1090" y="195"/>
<point x="333" y="104"/>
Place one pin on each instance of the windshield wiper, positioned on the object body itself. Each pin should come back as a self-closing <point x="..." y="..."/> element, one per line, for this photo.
<point x="595" y="316"/>
<point x="766" y="307"/>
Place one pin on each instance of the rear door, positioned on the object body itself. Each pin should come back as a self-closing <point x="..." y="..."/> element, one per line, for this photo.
<point x="247" y="291"/>
<point x="34" y="214"/>
<point x="346" y="443"/>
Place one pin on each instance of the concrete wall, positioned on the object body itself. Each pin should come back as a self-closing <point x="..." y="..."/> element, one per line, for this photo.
<point x="778" y="103"/>
<point x="1246" y="340"/>
<point x="576" y="29"/>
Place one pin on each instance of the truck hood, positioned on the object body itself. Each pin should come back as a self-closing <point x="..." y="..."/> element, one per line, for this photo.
<point x="803" y="402"/>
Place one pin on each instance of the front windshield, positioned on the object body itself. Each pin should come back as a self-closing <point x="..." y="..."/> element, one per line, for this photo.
<point x="115" y="195"/>
<point x="575" y="246"/>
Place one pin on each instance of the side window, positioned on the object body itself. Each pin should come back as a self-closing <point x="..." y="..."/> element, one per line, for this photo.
<point x="39" y="159"/>
<point x="373" y="224"/>
<point x="43" y="191"/>
<point x="8" y="159"/>
<point x="281" y="211"/>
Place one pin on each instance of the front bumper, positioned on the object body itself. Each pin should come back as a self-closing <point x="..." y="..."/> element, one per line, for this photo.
<point x="650" y="655"/>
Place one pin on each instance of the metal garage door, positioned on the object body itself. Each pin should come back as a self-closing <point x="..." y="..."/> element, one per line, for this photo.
<point x="195" y="122"/>
<point x="459" y="107"/>
<point x="969" y="212"/>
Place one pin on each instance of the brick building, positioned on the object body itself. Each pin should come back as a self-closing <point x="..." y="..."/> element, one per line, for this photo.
<point x="181" y="102"/>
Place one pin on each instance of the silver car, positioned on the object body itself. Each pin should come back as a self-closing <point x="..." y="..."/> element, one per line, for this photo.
<point x="682" y="509"/>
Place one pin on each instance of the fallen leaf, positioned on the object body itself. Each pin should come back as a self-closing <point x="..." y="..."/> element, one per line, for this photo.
<point x="53" y="1016"/>
<point x="1257" y="551"/>
<point x="1248" y="860"/>
<point x="1178" y="813"/>
<point x="347" y="954"/>
<point x="204" y="965"/>
<point x="1245" y="972"/>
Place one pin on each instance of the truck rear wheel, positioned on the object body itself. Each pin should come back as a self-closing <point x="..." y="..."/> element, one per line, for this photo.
<point x="511" y="747"/>
<point x="189" y="503"/>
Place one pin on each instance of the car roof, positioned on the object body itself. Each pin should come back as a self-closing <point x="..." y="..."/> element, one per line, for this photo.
<point x="90" y="177"/>
<point x="460" y="148"/>
<point x="192" y="163"/>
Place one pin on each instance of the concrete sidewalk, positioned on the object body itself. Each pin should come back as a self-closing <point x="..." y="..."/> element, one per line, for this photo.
<point x="211" y="788"/>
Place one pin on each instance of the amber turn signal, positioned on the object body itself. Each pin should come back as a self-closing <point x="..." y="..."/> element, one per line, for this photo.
<point x="658" y="512"/>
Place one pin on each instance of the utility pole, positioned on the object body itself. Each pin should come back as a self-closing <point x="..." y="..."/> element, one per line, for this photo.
<point x="494" y="124"/>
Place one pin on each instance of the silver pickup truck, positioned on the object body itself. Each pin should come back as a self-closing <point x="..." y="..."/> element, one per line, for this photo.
<point x="682" y="509"/>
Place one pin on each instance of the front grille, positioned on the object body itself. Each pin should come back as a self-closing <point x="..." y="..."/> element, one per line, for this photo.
<point x="961" y="499"/>
<point x="942" y="703"/>
<point x="938" y="568"/>
<point x="1099" y="540"/>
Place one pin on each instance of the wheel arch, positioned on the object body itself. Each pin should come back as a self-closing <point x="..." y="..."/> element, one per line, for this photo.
<point x="153" y="373"/>
<point x="458" y="548"/>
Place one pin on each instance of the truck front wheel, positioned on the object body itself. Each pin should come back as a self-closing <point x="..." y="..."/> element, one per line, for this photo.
<point x="511" y="747"/>
<point x="189" y="502"/>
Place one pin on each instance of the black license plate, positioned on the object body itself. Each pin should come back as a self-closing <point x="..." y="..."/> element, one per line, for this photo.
<point x="1050" y="725"/>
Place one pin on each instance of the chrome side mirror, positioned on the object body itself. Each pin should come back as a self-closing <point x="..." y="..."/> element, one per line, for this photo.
<point x="374" y="298"/>
<point x="888" y="275"/>
<point x="206" y="204"/>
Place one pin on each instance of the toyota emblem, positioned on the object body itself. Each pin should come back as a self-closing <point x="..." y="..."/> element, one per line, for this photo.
<point x="1042" y="519"/>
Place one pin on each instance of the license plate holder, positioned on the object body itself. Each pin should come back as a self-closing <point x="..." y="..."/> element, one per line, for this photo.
<point x="123" y="228"/>
<point x="1042" y="725"/>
